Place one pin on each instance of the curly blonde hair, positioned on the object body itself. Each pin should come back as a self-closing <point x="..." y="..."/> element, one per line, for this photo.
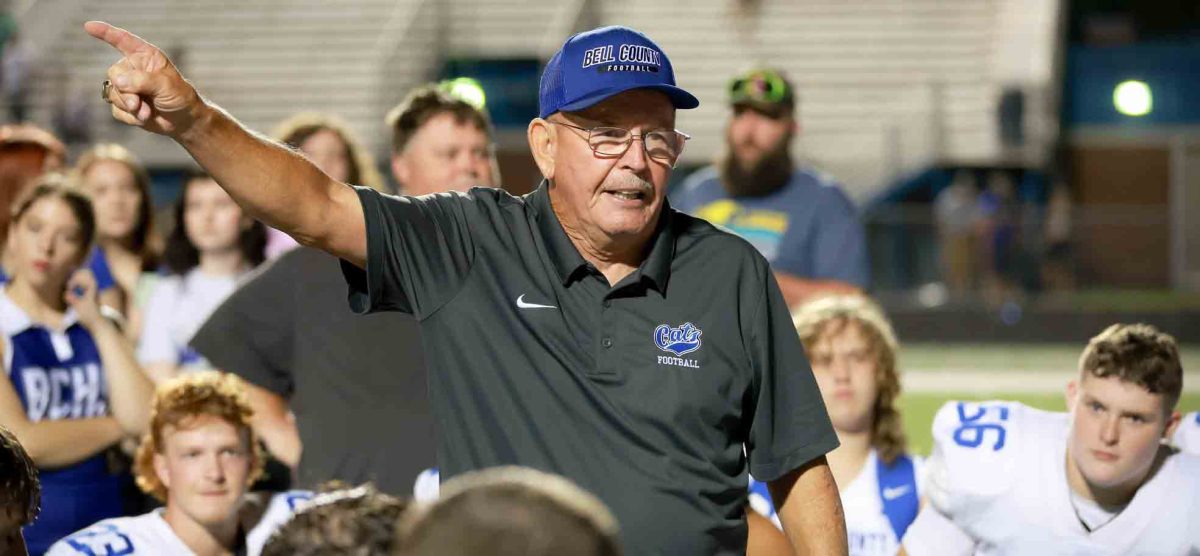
<point x="184" y="398"/>
<point x="826" y="316"/>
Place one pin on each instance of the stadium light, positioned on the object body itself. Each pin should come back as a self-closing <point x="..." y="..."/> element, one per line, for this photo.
<point x="467" y="89"/>
<point x="1133" y="98"/>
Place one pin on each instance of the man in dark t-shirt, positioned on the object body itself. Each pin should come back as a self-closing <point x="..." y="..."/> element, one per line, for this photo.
<point x="347" y="379"/>
<point x="356" y="386"/>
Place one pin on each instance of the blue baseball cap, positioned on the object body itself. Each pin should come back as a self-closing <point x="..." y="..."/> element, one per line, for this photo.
<point x="597" y="64"/>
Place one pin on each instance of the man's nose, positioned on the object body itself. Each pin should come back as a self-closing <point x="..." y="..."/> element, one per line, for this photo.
<point x="1110" y="430"/>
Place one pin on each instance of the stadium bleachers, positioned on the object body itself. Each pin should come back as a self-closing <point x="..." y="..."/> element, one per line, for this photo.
<point x="262" y="60"/>
<point x="887" y="86"/>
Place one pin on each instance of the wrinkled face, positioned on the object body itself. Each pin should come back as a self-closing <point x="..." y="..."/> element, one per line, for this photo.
<point x="444" y="155"/>
<point x="1116" y="429"/>
<point x="211" y="219"/>
<point x="11" y="541"/>
<point x="327" y="151"/>
<point x="115" y="197"/>
<point x="752" y="134"/>
<point x="205" y="465"/>
<point x="613" y="197"/>
<point x="844" y="366"/>
<point x="47" y="244"/>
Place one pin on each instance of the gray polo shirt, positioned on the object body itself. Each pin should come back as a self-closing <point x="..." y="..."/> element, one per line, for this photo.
<point x="644" y="393"/>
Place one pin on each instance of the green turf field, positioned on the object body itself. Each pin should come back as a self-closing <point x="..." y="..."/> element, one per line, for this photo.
<point x="918" y="410"/>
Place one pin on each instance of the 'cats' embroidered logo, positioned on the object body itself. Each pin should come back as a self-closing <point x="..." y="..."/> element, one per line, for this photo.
<point x="678" y="340"/>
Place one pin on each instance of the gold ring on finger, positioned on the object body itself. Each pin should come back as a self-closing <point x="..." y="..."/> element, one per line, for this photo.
<point x="106" y="87"/>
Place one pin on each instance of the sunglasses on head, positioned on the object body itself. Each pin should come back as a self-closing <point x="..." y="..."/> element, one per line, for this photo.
<point x="761" y="86"/>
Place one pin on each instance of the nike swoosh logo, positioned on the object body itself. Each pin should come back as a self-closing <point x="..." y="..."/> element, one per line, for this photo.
<point x="521" y="304"/>
<point x="894" y="493"/>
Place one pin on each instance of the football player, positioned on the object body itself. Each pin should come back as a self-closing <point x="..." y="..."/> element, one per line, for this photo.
<point x="852" y="349"/>
<point x="1005" y="478"/>
<point x="199" y="458"/>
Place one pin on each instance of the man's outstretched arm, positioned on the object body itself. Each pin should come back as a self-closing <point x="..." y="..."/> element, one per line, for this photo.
<point x="270" y="181"/>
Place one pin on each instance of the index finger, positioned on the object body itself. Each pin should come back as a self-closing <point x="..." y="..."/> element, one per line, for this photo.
<point x="124" y="41"/>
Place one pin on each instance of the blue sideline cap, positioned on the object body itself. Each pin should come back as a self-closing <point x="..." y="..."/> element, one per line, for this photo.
<point x="597" y="64"/>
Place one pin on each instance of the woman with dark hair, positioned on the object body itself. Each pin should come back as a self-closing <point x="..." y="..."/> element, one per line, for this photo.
<point x="328" y="143"/>
<point x="126" y="246"/>
<point x="72" y="388"/>
<point x="212" y="245"/>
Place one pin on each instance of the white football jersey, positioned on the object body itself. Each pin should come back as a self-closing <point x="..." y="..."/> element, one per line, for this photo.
<point x="997" y="484"/>
<point x="869" y="530"/>
<point x="868" y="527"/>
<point x="149" y="534"/>
<point x="1187" y="434"/>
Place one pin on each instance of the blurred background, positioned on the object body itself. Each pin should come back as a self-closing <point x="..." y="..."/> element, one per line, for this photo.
<point x="1028" y="170"/>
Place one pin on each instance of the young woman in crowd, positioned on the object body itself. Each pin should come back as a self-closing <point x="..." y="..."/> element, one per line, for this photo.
<point x="72" y="388"/>
<point x="212" y="245"/>
<point x="328" y="143"/>
<point x="127" y="250"/>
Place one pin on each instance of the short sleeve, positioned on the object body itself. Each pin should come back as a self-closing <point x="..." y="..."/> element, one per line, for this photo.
<point x="251" y="334"/>
<point x="975" y="457"/>
<point x="840" y="248"/>
<point x="419" y="251"/>
<point x="100" y="269"/>
<point x="155" y="344"/>
<point x="934" y="533"/>
<point x="790" y="425"/>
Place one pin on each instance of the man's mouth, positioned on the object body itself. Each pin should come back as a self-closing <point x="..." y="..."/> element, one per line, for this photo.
<point x="628" y="195"/>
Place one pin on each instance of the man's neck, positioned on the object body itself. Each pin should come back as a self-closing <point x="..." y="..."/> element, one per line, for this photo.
<point x="205" y="540"/>
<point x="847" y="460"/>
<point x="1113" y="497"/>
<point x="615" y="258"/>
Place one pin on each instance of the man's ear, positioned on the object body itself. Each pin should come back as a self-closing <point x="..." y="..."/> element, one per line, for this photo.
<point x="542" y="142"/>
<point x="160" y="469"/>
<point x="400" y="170"/>
<point x="1172" y="424"/>
<point x="1071" y="393"/>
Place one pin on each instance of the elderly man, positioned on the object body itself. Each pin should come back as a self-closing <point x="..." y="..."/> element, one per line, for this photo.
<point x="584" y="329"/>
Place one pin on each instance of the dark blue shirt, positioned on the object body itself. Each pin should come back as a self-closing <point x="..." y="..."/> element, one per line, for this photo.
<point x="58" y="375"/>
<point x="808" y="227"/>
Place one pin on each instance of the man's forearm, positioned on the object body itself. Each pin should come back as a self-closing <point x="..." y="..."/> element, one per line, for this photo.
<point x="810" y="509"/>
<point x="273" y="421"/>
<point x="273" y="183"/>
<point x="797" y="290"/>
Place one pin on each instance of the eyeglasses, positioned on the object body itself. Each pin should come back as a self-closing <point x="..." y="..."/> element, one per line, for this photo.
<point x="759" y="86"/>
<point x="614" y="141"/>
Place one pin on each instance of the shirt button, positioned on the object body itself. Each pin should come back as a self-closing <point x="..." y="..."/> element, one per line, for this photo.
<point x="607" y="303"/>
<point x="606" y="342"/>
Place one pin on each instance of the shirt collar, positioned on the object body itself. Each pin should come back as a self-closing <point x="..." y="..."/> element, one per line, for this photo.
<point x="569" y="263"/>
<point x="14" y="320"/>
